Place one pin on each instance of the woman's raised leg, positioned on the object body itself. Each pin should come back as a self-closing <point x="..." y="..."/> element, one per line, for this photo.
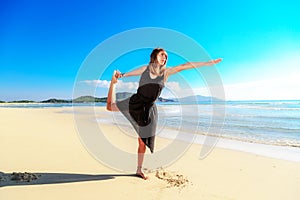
<point x="111" y="96"/>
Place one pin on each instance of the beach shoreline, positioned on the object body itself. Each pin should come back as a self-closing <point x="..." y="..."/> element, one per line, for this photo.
<point x="44" y="141"/>
<point x="289" y="152"/>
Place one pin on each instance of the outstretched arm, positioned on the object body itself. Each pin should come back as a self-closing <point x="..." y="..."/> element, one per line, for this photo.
<point x="136" y="72"/>
<point x="190" y="65"/>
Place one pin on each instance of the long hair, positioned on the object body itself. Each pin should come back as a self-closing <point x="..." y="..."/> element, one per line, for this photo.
<point x="154" y="67"/>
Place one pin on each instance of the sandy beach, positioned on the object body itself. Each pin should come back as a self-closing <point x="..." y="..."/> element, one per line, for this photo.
<point x="44" y="143"/>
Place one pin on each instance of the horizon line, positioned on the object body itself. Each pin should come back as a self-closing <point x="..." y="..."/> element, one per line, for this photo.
<point x="70" y="99"/>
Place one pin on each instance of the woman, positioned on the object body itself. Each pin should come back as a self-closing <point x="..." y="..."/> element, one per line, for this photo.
<point x="140" y="108"/>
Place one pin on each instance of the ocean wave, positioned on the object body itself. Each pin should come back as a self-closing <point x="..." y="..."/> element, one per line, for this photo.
<point x="275" y="142"/>
<point x="294" y="108"/>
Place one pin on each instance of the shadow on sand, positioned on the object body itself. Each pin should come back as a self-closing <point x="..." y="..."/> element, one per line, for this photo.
<point x="55" y="178"/>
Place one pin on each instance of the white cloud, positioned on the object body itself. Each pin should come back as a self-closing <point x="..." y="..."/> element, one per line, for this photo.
<point x="105" y="84"/>
<point x="97" y="83"/>
<point x="131" y="86"/>
<point x="271" y="89"/>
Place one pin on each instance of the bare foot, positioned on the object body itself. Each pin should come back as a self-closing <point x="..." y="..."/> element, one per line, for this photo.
<point x="114" y="78"/>
<point x="141" y="175"/>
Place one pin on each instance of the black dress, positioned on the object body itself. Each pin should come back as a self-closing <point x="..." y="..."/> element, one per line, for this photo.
<point x="140" y="108"/>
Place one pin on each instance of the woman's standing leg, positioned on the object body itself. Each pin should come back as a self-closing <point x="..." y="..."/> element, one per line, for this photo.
<point x="141" y="154"/>
<point x="111" y="106"/>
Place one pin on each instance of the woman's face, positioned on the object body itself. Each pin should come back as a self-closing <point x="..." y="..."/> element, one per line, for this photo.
<point x="162" y="58"/>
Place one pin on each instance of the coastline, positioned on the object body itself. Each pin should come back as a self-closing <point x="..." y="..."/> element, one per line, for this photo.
<point x="44" y="141"/>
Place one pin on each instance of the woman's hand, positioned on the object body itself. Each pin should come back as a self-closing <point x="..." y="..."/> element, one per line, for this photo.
<point x="213" y="62"/>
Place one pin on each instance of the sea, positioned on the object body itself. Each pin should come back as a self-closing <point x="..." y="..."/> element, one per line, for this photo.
<point x="254" y="126"/>
<point x="267" y="122"/>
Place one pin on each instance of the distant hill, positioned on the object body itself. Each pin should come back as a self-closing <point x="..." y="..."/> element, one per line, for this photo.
<point x="89" y="99"/>
<point x="198" y="98"/>
<point x="56" y="101"/>
<point x="21" y="101"/>
<point x="82" y="99"/>
<point x="160" y="99"/>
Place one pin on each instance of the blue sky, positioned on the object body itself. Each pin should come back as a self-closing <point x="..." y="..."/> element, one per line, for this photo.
<point x="44" y="43"/>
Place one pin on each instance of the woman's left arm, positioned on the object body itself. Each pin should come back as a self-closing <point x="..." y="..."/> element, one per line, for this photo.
<point x="190" y="65"/>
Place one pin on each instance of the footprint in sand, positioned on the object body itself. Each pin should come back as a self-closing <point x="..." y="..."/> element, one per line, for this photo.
<point x="23" y="177"/>
<point x="173" y="179"/>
